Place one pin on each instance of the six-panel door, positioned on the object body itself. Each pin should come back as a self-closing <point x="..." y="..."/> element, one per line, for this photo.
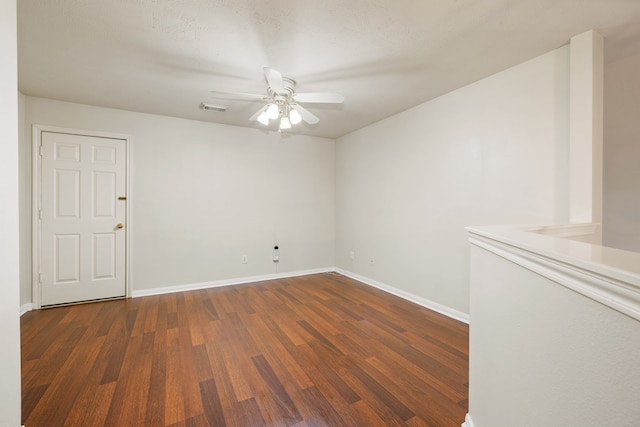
<point x="82" y="221"/>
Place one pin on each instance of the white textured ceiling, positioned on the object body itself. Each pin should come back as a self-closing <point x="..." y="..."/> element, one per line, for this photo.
<point x="385" y="56"/>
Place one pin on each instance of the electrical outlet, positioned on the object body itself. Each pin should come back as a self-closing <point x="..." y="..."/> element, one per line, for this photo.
<point x="352" y="255"/>
<point x="245" y="259"/>
<point x="372" y="261"/>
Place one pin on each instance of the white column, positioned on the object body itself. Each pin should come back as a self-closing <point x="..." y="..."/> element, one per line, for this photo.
<point x="585" y="127"/>
<point x="9" y="204"/>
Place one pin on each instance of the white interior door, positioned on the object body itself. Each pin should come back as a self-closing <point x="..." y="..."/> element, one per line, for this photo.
<point x="83" y="211"/>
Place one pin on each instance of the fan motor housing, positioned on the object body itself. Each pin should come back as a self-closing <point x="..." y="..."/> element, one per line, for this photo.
<point x="289" y="86"/>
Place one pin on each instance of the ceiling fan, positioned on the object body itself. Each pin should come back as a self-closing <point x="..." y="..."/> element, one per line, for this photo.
<point x="282" y="102"/>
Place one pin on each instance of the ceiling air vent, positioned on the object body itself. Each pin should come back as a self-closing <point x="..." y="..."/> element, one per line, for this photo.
<point x="213" y="107"/>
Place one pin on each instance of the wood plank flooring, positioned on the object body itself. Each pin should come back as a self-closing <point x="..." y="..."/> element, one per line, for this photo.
<point x="320" y="350"/>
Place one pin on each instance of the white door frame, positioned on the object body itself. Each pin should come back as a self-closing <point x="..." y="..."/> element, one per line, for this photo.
<point x="36" y="137"/>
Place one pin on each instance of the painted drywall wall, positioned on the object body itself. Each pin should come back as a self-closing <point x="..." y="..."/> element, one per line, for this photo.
<point x="544" y="355"/>
<point x="621" y="219"/>
<point x="9" y="242"/>
<point x="494" y="152"/>
<point x="24" y="155"/>
<point x="203" y="195"/>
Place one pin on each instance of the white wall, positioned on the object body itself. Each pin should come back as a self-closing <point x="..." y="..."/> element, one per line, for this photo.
<point x="204" y="194"/>
<point x="545" y="355"/>
<point x="621" y="220"/>
<point x="9" y="199"/>
<point x="494" y="152"/>
<point x="24" y="154"/>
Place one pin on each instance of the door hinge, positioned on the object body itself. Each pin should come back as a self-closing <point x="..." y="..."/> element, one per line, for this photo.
<point x="39" y="213"/>
<point x="40" y="150"/>
<point x="39" y="277"/>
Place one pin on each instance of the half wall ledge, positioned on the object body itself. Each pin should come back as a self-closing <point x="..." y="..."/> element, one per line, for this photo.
<point x="565" y="255"/>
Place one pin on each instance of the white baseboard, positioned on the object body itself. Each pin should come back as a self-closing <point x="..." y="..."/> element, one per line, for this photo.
<point x="24" y="308"/>
<point x="442" y="309"/>
<point x="225" y="282"/>
<point x="468" y="422"/>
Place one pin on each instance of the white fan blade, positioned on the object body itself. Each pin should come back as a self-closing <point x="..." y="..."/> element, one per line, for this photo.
<point x="274" y="79"/>
<point x="305" y="114"/>
<point x="319" y="97"/>
<point x="257" y="114"/>
<point x="239" y="95"/>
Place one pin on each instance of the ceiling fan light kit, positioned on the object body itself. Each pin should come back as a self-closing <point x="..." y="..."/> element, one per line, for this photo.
<point x="294" y="117"/>
<point x="287" y="115"/>
<point x="273" y="112"/>
<point x="283" y="102"/>
<point x="285" y="123"/>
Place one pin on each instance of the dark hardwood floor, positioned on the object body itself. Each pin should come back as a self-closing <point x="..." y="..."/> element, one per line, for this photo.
<point x="320" y="350"/>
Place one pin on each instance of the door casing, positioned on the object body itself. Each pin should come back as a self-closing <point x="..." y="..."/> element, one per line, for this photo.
<point x="36" y="137"/>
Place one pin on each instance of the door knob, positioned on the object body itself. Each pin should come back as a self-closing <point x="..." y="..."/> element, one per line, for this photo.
<point x="119" y="226"/>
